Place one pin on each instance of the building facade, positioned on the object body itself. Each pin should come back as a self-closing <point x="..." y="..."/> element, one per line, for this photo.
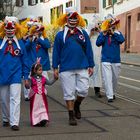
<point x="50" y="10"/>
<point x="128" y="11"/>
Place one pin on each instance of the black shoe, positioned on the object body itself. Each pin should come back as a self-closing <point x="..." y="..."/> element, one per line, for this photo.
<point x="77" y="111"/>
<point x="72" y="121"/>
<point x="6" y="124"/>
<point x="114" y="97"/>
<point x="15" y="128"/>
<point x="27" y="99"/>
<point x="98" y="94"/>
<point x="43" y="123"/>
<point x="110" y="100"/>
<point x="37" y="125"/>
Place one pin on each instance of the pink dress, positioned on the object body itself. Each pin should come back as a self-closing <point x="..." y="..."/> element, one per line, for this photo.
<point x="38" y="100"/>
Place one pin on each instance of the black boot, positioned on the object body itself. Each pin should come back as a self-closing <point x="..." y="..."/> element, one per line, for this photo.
<point x="97" y="92"/>
<point x="43" y="123"/>
<point x="77" y="109"/>
<point x="72" y="120"/>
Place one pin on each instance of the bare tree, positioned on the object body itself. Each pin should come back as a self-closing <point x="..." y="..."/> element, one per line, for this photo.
<point x="6" y="8"/>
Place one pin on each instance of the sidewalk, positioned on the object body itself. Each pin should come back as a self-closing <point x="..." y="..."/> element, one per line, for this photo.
<point x="130" y="59"/>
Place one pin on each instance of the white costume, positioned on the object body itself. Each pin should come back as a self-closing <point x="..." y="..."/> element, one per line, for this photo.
<point x="96" y="77"/>
<point x="93" y="29"/>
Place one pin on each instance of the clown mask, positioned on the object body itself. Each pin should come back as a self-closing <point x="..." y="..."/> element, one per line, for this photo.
<point x="10" y="28"/>
<point x="72" y="19"/>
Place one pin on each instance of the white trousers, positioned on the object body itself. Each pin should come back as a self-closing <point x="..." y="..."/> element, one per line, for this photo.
<point x="110" y="73"/>
<point x="10" y="102"/>
<point x="26" y="91"/>
<point x="74" y="81"/>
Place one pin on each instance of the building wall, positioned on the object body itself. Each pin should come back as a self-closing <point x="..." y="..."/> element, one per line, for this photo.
<point x="38" y="10"/>
<point x="43" y="9"/>
<point x="89" y="6"/>
<point x="132" y="44"/>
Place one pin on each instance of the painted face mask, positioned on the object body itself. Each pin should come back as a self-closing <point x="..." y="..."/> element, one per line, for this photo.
<point x="72" y="19"/>
<point x="10" y="28"/>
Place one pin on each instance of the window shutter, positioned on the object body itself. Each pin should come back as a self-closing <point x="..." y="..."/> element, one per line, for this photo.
<point x="17" y="3"/>
<point x="29" y="2"/>
<point x="114" y="1"/>
<point x="104" y="3"/>
<point x="32" y="2"/>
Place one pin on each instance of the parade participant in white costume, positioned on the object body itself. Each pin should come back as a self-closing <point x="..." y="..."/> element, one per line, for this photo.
<point x="72" y="53"/>
<point x="13" y="66"/>
<point x="94" y="28"/>
<point x="110" y="39"/>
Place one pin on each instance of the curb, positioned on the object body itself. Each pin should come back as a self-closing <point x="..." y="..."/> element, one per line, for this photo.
<point x="130" y="63"/>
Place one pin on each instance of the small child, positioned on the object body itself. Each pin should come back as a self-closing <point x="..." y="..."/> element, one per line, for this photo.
<point x="38" y="101"/>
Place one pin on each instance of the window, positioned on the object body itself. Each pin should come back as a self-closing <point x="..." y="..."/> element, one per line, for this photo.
<point x="44" y="0"/>
<point x="19" y="3"/>
<point x="32" y="2"/>
<point x="109" y="2"/>
<point x="119" y="1"/>
<point x="69" y="4"/>
<point x="104" y="3"/>
<point x="138" y="17"/>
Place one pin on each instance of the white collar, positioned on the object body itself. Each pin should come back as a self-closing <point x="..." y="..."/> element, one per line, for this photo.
<point x="66" y="29"/>
<point x="6" y="38"/>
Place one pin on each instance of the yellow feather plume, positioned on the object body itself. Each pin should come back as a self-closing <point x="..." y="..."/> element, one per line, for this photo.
<point x="61" y="21"/>
<point x="82" y="22"/>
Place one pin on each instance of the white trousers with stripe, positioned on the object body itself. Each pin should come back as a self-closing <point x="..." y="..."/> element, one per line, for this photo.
<point x="10" y="96"/>
<point x="110" y="72"/>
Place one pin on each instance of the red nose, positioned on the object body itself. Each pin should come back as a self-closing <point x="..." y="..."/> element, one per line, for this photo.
<point x="9" y="25"/>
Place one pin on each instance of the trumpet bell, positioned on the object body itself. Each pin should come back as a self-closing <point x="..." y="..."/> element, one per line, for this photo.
<point x="105" y="25"/>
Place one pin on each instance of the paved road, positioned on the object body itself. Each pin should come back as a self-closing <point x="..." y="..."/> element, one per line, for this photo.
<point x="101" y="120"/>
<point x="130" y="58"/>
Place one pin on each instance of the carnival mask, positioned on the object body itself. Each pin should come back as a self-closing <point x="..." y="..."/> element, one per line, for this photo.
<point x="10" y="28"/>
<point x="72" y="19"/>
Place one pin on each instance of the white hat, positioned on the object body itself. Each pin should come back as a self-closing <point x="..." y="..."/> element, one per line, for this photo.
<point x="95" y="22"/>
<point x="96" y="18"/>
<point x="12" y="19"/>
<point x="70" y="10"/>
<point x="110" y="16"/>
